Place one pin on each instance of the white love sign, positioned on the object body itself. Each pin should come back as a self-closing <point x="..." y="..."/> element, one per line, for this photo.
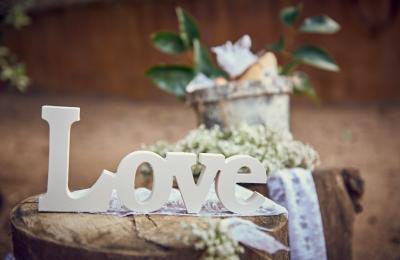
<point x="59" y="198"/>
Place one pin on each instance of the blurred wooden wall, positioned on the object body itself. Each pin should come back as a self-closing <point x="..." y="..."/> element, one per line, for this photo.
<point x="103" y="48"/>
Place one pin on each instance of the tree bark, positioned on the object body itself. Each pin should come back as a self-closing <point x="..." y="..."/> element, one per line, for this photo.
<point x="339" y="194"/>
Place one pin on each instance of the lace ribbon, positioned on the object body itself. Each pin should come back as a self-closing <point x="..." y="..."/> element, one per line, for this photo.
<point x="295" y="190"/>
<point x="291" y="189"/>
<point x="241" y="230"/>
<point x="212" y="206"/>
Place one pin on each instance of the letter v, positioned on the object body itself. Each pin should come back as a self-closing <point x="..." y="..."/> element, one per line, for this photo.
<point x="194" y="194"/>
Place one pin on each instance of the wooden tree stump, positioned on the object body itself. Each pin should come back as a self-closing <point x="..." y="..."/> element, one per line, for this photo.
<point x="96" y="236"/>
<point x="339" y="195"/>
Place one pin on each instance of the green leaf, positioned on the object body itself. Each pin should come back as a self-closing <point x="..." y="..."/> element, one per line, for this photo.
<point x="187" y="27"/>
<point x="290" y="14"/>
<point x="319" y="24"/>
<point x="17" y="16"/>
<point x="315" y="57"/>
<point x="171" y="78"/>
<point x="288" y="68"/>
<point x="168" y="42"/>
<point x="302" y="85"/>
<point x="203" y="63"/>
<point x="277" y="46"/>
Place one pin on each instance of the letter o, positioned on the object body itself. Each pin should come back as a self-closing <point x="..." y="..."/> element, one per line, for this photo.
<point x="125" y="179"/>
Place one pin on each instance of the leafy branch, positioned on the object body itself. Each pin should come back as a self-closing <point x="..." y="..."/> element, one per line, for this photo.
<point x="307" y="54"/>
<point x="174" y="78"/>
<point x="11" y="70"/>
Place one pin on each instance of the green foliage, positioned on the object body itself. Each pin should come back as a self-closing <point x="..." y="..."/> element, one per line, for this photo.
<point x="290" y="14"/>
<point x="319" y="24"/>
<point x="168" y="42"/>
<point x="302" y="85"/>
<point x="290" y="67"/>
<point x="277" y="46"/>
<point x="174" y="78"/>
<point x="307" y="54"/>
<point x="12" y="71"/>
<point x="315" y="57"/>
<point x="171" y="78"/>
<point x="202" y="61"/>
<point x="17" y="15"/>
<point x="188" y="40"/>
<point x="187" y="27"/>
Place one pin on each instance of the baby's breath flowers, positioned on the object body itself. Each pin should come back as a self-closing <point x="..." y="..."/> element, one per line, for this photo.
<point x="214" y="238"/>
<point x="274" y="148"/>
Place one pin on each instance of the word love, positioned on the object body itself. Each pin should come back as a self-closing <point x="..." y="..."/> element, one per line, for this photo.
<point x="59" y="198"/>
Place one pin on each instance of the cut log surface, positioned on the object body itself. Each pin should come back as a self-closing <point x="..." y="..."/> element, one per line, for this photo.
<point x="98" y="236"/>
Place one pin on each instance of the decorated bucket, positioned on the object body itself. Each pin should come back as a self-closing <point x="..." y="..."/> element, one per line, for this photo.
<point x="235" y="103"/>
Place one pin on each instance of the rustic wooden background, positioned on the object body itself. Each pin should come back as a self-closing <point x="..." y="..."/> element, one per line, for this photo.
<point x="103" y="47"/>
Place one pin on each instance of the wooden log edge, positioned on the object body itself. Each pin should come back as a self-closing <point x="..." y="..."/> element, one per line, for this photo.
<point x="43" y="236"/>
<point x="339" y="194"/>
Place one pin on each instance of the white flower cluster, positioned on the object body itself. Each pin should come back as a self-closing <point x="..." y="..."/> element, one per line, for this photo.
<point x="273" y="148"/>
<point x="216" y="241"/>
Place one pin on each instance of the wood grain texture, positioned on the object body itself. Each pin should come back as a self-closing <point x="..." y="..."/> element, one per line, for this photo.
<point x="339" y="204"/>
<point x="104" y="47"/>
<point x="94" y="236"/>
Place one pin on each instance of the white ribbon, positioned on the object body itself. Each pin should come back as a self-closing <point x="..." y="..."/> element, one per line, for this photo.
<point x="252" y="235"/>
<point x="295" y="190"/>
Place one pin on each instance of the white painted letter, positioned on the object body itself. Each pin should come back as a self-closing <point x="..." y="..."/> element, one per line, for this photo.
<point x="229" y="176"/>
<point x="58" y="197"/>
<point x="194" y="194"/>
<point x="125" y="179"/>
<point x="96" y="199"/>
